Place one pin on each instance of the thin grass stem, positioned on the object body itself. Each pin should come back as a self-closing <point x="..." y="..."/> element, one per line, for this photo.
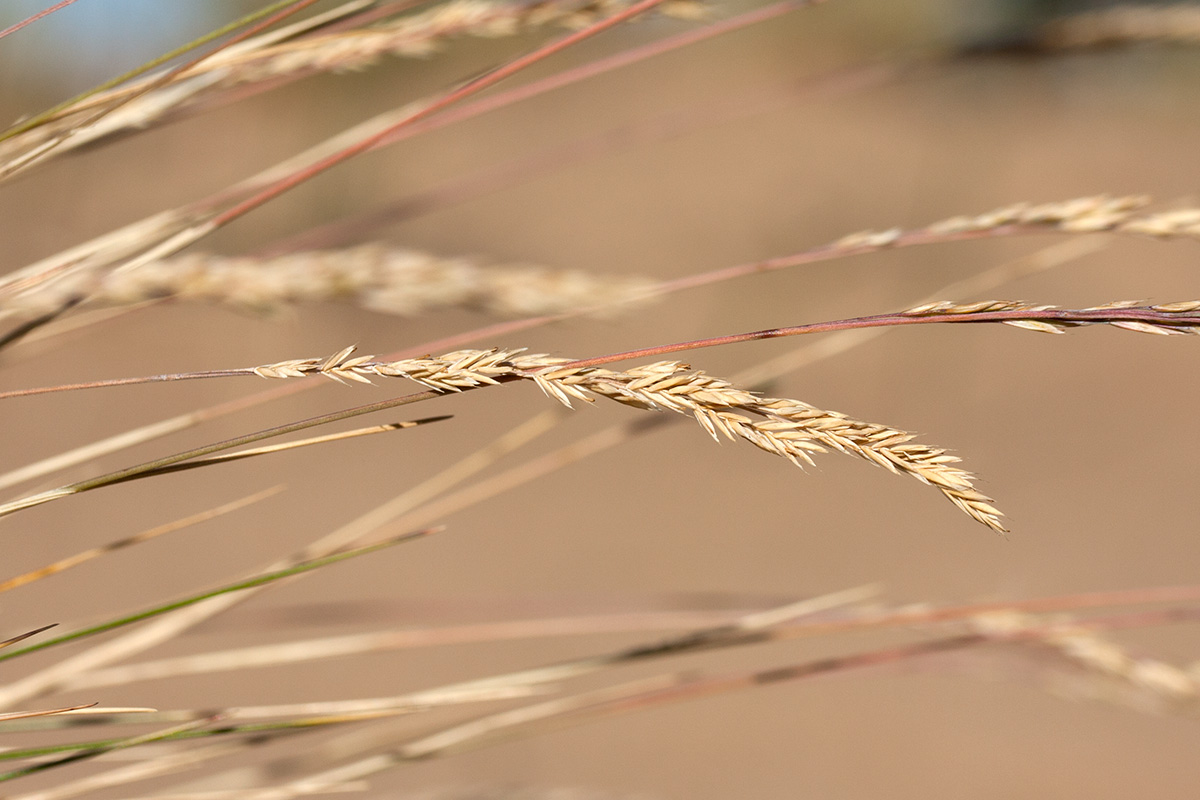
<point x="249" y="583"/>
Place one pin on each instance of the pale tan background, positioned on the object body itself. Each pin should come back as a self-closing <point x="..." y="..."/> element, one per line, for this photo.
<point x="1085" y="440"/>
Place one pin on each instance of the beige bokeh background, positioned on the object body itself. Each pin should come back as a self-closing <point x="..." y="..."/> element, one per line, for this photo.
<point x="1083" y="439"/>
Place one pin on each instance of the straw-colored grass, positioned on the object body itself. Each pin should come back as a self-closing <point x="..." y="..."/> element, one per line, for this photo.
<point x="1066" y="643"/>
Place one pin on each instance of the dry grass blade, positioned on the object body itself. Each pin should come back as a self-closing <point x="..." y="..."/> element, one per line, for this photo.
<point x="675" y="689"/>
<point x="1167" y="318"/>
<point x="993" y="627"/>
<point x="286" y="446"/>
<point x="200" y="605"/>
<point x="1160" y="683"/>
<point x="140" y="435"/>
<point x="159" y="465"/>
<point x="994" y="619"/>
<point x="161" y="764"/>
<point x="527" y="718"/>
<point x="108" y="748"/>
<point x="639" y="695"/>
<point x="306" y="650"/>
<point x="394" y="509"/>
<point x="930" y="616"/>
<point x="50" y="712"/>
<point x="348" y="787"/>
<point x="22" y="637"/>
<point x="81" y="716"/>
<point x="737" y="631"/>
<point x="23" y="329"/>
<point x="242" y="585"/>
<point x="162" y="630"/>
<point x="95" y="552"/>
<point x="762" y="626"/>
<point x="753" y="628"/>
<point x="409" y="703"/>
<point x="303" y="714"/>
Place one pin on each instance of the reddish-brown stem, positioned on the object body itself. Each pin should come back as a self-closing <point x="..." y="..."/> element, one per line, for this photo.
<point x="469" y="88"/>
<point x="834" y="250"/>
<point x="1097" y="315"/>
<point x="1039" y="605"/>
<point x="678" y="122"/>
<point x="705" y="687"/>
<point x="1141" y="314"/>
<point x="34" y="18"/>
<point x="601" y="66"/>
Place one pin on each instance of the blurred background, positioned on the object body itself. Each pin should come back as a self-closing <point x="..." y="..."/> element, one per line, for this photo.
<point x="1082" y="439"/>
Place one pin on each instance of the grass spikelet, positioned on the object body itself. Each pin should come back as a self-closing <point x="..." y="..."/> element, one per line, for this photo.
<point x="388" y="280"/>
<point x="790" y="428"/>
<point x="1096" y="214"/>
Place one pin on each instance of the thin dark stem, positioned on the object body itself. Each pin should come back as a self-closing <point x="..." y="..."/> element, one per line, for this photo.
<point x="23" y="636"/>
<point x="29" y="326"/>
<point x="280" y="430"/>
<point x="152" y="467"/>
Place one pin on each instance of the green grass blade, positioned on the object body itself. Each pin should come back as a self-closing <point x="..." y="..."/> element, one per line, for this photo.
<point x="249" y="583"/>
